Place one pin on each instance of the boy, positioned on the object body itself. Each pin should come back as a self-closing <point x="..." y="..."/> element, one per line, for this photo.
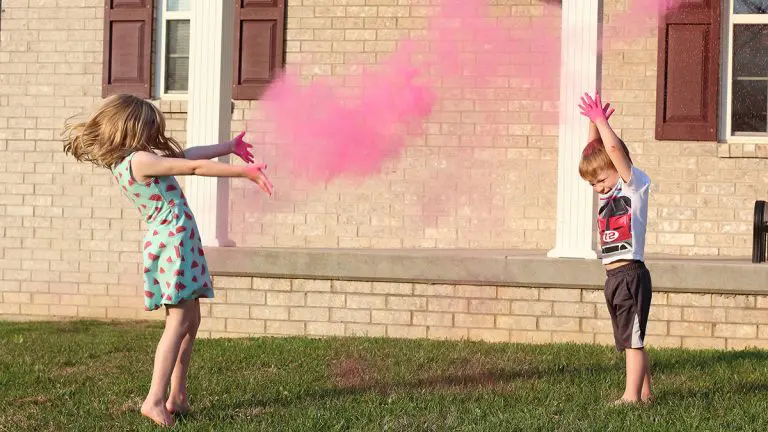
<point x="622" y="216"/>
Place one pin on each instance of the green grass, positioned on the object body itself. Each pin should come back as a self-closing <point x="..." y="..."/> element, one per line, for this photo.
<point x="89" y="376"/>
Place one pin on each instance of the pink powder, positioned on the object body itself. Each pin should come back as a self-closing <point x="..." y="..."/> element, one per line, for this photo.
<point x="325" y="134"/>
<point x="327" y="129"/>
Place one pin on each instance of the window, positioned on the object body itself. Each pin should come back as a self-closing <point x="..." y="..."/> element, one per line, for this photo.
<point x="745" y="81"/>
<point x="172" y="64"/>
<point x="129" y="29"/>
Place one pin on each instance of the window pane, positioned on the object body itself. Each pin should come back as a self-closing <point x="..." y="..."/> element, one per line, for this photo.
<point x="178" y="37"/>
<point x="750" y="102"/>
<point x="750" y="6"/>
<point x="750" y="42"/>
<point x="177" y="56"/>
<point x="177" y="6"/>
<point x="177" y="76"/>
<point x="750" y="79"/>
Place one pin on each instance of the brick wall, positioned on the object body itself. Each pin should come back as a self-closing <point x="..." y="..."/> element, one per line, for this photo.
<point x="246" y="306"/>
<point x="256" y="306"/>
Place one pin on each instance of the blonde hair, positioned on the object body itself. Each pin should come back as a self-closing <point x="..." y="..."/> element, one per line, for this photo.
<point x="122" y="125"/>
<point x="594" y="159"/>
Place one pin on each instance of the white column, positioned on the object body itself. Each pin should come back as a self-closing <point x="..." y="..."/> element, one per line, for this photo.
<point x="210" y="111"/>
<point x="578" y="73"/>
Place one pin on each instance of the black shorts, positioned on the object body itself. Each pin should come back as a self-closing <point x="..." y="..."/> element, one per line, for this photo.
<point x="628" y="295"/>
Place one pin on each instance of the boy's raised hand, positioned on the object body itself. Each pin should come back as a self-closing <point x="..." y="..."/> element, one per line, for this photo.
<point x="608" y="110"/>
<point x="593" y="108"/>
<point x="241" y="148"/>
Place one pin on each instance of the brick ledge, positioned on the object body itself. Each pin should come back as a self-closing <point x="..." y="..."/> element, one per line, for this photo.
<point x="482" y="267"/>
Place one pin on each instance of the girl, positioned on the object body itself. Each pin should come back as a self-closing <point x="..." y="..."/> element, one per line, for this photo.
<point x="127" y="136"/>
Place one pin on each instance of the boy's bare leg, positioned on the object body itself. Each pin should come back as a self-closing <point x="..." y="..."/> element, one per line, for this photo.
<point x="636" y="360"/>
<point x="646" y="395"/>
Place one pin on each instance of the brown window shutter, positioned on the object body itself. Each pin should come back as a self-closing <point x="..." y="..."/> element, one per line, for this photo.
<point x="258" y="48"/>
<point x="688" y="72"/>
<point x="127" y="47"/>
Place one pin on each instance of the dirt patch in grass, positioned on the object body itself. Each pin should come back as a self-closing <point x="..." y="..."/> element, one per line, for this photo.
<point x="351" y="373"/>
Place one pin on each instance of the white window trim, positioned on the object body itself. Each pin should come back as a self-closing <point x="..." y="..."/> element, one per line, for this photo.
<point x="164" y="16"/>
<point x="726" y="83"/>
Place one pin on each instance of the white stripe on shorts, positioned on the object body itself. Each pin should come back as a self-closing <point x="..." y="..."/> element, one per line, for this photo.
<point x="637" y="340"/>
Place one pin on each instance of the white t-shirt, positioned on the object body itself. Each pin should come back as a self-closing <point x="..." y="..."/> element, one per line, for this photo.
<point x="622" y="217"/>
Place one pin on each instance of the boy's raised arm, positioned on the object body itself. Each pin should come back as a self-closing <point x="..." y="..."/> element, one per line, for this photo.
<point x="593" y="132"/>
<point x="593" y="109"/>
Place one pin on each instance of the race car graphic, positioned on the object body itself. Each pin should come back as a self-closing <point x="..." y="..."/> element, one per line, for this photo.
<point x="615" y="223"/>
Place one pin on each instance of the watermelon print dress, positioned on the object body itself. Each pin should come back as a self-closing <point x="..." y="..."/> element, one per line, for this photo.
<point x="174" y="264"/>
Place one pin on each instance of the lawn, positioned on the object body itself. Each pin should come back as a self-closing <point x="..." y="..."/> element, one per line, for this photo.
<point x="72" y="376"/>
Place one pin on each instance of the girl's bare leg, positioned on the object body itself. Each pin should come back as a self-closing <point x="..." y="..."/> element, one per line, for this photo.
<point x="178" y="319"/>
<point x="178" y="402"/>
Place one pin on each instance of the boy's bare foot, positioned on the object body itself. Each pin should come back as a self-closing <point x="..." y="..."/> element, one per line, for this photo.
<point x="157" y="413"/>
<point x="647" y="399"/>
<point x="177" y="406"/>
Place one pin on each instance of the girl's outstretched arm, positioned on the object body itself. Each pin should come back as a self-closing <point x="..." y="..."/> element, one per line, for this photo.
<point x="208" y="152"/>
<point x="236" y="146"/>
<point x="593" y="109"/>
<point x="146" y="165"/>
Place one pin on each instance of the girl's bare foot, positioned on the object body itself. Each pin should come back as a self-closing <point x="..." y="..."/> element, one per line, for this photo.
<point x="176" y="405"/>
<point x="647" y="399"/>
<point x="157" y="413"/>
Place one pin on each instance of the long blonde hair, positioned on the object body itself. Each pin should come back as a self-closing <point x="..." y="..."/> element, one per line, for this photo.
<point x="122" y="125"/>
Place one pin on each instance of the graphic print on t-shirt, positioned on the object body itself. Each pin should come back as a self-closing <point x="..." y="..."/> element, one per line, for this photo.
<point x="615" y="223"/>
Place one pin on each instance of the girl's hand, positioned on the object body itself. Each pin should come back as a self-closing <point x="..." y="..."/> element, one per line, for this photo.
<point x="240" y="148"/>
<point x="593" y="108"/>
<point x="256" y="174"/>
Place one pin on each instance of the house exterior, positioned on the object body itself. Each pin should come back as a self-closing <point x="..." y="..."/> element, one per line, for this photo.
<point x="510" y="257"/>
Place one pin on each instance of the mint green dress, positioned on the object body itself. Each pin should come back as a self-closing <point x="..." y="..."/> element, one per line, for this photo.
<point x="174" y="263"/>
